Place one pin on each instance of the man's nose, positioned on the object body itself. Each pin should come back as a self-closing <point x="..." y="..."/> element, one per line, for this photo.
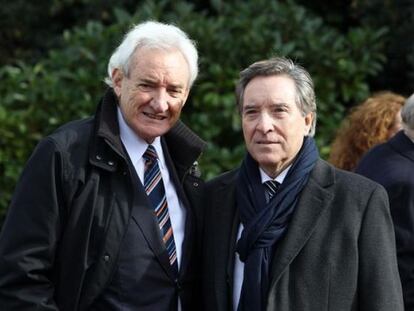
<point x="160" y="100"/>
<point x="265" y="122"/>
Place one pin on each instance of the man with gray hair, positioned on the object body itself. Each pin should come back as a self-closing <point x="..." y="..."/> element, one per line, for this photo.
<point x="106" y="214"/>
<point x="392" y="165"/>
<point x="287" y="231"/>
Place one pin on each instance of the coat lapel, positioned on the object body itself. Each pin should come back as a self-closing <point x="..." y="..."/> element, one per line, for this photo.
<point x="315" y="197"/>
<point x="189" y="223"/>
<point x="225" y="220"/>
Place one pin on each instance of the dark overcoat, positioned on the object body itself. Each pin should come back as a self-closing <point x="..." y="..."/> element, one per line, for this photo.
<point x="338" y="253"/>
<point x="392" y="165"/>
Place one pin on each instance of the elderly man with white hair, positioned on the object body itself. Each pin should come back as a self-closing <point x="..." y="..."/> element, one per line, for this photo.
<point x="106" y="213"/>
<point x="392" y="165"/>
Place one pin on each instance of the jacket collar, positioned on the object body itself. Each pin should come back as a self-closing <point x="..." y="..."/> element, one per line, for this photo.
<point x="185" y="148"/>
<point x="107" y="150"/>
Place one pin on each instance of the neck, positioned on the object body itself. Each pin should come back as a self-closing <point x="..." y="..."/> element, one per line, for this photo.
<point x="273" y="173"/>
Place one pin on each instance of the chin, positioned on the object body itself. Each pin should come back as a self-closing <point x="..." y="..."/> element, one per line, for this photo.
<point x="152" y="136"/>
<point x="265" y="160"/>
<point x="153" y="130"/>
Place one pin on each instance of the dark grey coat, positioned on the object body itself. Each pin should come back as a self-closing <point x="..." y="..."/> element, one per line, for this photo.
<point x="338" y="253"/>
<point x="392" y="165"/>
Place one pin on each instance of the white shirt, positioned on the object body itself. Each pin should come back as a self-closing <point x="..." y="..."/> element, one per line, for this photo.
<point x="238" y="274"/>
<point x="136" y="146"/>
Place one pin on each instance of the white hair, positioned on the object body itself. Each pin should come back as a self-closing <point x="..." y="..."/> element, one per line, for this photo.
<point x="407" y="116"/>
<point x="157" y="35"/>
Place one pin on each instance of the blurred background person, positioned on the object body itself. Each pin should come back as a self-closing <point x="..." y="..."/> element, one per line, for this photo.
<point x="372" y="122"/>
<point x="392" y="165"/>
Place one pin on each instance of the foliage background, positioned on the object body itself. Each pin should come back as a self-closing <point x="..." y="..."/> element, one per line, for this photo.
<point x="54" y="53"/>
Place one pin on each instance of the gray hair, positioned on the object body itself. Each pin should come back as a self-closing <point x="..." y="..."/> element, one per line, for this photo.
<point x="281" y="66"/>
<point x="153" y="35"/>
<point x="407" y="114"/>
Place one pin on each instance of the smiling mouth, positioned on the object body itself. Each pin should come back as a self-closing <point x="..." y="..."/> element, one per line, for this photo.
<point x="154" y="116"/>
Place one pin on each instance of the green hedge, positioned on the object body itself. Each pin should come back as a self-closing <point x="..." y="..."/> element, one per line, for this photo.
<point x="68" y="82"/>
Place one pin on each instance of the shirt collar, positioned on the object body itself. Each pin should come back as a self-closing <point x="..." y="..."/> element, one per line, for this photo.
<point x="279" y="178"/>
<point x="134" y="144"/>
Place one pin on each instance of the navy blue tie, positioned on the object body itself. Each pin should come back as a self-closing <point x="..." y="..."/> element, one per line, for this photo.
<point x="155" y="190"/>
<point x="271" y="187"/>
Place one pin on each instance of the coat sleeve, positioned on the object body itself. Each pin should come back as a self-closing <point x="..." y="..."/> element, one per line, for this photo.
<point x="379" y="282"/>
<point x="402" y="209"/>
<point x="29" y="236"/>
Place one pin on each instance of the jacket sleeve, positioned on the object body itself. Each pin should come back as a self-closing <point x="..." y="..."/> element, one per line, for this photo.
<point x="29" y="236"/>
<point x="402" y="207"/>
<point x="379" y="282"/>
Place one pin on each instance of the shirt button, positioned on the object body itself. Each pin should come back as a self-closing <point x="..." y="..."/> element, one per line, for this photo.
<point x="111" y="163"/>
<point x="106" y="258"/>
<point x="98" y="157"/>
<point x="195" y="184"/>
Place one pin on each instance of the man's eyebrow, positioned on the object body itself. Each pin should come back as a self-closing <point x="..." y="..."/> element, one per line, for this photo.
<point x="250" y="105"/>
<point x="280" y="104"/>
<point x="153" y="81"/>
<point x="176" y="85"/>
<point x="146" y="80"/>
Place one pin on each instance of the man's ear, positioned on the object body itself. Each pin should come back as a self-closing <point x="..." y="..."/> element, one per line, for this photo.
<point x="308" y="123"/>
<point x="117" y="78"/>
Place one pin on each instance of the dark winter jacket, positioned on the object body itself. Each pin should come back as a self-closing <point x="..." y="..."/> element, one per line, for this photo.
<point x="71" y="208"/>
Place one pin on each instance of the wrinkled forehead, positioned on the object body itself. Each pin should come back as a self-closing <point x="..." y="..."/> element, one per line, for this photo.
<point x="159" y="61"/>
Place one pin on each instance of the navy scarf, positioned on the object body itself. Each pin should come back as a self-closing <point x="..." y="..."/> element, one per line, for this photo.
<point x="265" y="223"/>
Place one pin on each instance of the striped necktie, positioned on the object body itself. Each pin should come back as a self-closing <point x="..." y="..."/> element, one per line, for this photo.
<point x="271" y="187"/>
<point x="155" y="190"/>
